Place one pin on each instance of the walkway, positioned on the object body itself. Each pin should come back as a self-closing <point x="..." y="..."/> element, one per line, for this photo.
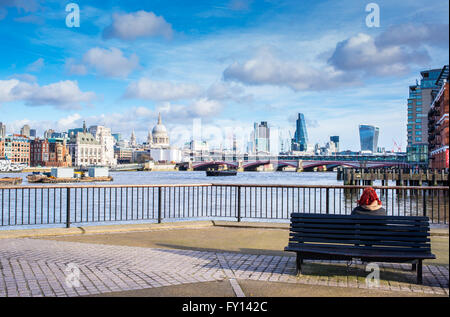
<point x="33" y="267"/>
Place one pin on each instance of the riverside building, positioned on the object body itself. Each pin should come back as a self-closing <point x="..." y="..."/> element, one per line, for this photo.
<point x="419" y="103"/>
<point x="438" y="133"/>
<point x="84" y="149"/>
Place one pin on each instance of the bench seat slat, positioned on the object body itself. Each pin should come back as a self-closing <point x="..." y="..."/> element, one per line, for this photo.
<point x="370" y="217"/>
<point x="419" y="235"/>
<point x="361" y="247"/>
<point x="358" y="236"/>
<point x="358" y="241"/>
<point x="362" y="221"/>
<point x="354" y="226"/>
<point x="373" y="254"/>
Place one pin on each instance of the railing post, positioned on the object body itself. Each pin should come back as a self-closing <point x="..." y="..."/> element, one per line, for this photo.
<point x="159" y="205"/>
<point x="239" y="204"/>
<point x="68" y="207"/>
<point x="328" y="200"/>
<point x="424" y="202"/>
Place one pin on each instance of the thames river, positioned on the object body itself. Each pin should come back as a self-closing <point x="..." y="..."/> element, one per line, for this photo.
<point x="182" y="177"/>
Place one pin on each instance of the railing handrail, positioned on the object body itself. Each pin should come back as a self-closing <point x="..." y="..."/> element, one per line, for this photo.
<point x="50" y="186"/>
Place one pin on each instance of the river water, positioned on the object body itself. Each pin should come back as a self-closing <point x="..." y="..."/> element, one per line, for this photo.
<point x="182" y="177"/>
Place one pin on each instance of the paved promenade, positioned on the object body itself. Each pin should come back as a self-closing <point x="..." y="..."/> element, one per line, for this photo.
<point x="35" y="267"/>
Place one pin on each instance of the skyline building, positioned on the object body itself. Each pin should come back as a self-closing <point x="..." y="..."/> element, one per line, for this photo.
<point x="106" y="140"/>
<point x="2" y="130"/>
<point x="368" y="135"/>
<point x="419" y="103"/>
<point x="260" y="138"/>
<point x="25" y="131"/>
<point x="300" y="140"/>
<point x="335" y="139"/>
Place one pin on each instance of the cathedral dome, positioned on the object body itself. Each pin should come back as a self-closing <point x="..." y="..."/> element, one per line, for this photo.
<point x="160" y="135"/>
<point x="159" y="129"/>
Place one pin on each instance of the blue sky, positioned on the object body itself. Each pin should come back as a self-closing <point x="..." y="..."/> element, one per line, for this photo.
<point x="229" y="63"/>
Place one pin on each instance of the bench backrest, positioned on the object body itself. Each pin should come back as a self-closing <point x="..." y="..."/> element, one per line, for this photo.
<point x="383" y="233"/>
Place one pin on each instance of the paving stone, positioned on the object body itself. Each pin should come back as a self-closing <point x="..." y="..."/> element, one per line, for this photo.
<point x="32" y="267"/>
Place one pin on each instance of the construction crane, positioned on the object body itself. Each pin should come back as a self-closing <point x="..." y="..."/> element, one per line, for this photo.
<point x="396" y="147"/>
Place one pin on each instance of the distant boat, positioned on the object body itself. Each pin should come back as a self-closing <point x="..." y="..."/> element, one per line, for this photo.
<point x="221" y="173"/>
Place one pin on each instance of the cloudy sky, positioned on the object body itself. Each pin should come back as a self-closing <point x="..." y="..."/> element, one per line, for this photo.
<point x="229" y="63"/>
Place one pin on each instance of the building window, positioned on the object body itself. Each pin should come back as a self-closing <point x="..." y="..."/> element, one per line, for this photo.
<point x="418" y="139"/>
<point x="418" y="132"/>
<point x="418" y="127"/>
<point x="419" y="109"/>
<point x="418" y="120"/>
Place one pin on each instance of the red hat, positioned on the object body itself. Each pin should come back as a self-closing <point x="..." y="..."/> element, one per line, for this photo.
<point x="368" y="196"/>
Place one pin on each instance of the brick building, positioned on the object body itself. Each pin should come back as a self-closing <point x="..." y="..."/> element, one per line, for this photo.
<point x="50" y="152"/>
<point x="438" y="133"/>
<point x="15" y="148"/>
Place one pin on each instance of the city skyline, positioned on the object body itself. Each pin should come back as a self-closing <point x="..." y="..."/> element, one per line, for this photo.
<point x="193" y="64"/>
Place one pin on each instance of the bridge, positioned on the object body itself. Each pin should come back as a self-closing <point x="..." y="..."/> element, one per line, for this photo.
<point x="289" y="165"/>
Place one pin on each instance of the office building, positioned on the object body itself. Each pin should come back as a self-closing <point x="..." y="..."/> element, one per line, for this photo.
<point x="419" y="103"/>
<point x="260" y="139"/>
<point x="104" y="137"/>
<point x="25" y="131"/>
<point x="2" y="130"/>
<point x="300" y="140"/>
<point x="368" y="135"/>
<point x="438" y="133"/>
<point x="84" y="148"/>
<point x="335" y="140"/>
<point x="15" y="148"/>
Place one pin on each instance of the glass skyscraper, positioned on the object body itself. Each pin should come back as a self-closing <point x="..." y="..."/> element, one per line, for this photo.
<point x="260" y="139"/>
<point x="300" y="140"/>
<point x="419" y="102"/>
<point x="368" y="135"/>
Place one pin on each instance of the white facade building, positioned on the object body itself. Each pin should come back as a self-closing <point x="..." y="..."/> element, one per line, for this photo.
<point x="84" y="149"/>
<point x="104" y="137"/>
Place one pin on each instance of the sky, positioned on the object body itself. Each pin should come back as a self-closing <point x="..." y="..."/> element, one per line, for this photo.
<point x="226" y="64"/>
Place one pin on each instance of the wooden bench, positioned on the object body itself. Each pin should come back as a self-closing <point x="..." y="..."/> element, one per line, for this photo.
<point x="398" y="239"/>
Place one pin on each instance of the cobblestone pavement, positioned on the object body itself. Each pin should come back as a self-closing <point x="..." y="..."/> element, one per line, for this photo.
<point x="32" y="267"/>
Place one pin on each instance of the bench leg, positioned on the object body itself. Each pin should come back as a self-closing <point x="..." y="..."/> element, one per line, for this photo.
<point x="419" y="272"/>
<point x="299" y="262"/>
<point x="414" y="267"/>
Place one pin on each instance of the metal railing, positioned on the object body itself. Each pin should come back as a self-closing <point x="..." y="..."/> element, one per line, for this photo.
<point x="66" y="205"/>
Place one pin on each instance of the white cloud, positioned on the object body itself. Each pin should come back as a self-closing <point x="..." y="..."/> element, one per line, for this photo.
<point x="205" y="107"/>
<point x="149" y="89"/>
<point x="228" y="91"/>
<point x="75" y="69"/>
<point x="137" y="24"/>
<point x="109" y="63"/>
<point x="414" y="35"/>
<point x="361" y="53"/>
<point x="267" y="69"/>
<point x="36" y="65"/>
<point x="62" y="94"/>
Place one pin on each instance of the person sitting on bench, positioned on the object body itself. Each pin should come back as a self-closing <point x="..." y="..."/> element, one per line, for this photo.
<point x="369" y="204"/>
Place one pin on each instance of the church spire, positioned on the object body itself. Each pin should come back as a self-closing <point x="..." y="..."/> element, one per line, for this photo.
<point x="159" y="118"/>
<point x="84" y="127"/>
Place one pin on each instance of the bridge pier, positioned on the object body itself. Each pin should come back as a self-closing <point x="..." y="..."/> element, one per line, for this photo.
<point x="240" y="167"/>
<point x="299" y="166"/>
<point x="190" y="167"/>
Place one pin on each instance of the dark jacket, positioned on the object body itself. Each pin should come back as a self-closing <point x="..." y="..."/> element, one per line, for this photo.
<point x="366" y="212"/>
